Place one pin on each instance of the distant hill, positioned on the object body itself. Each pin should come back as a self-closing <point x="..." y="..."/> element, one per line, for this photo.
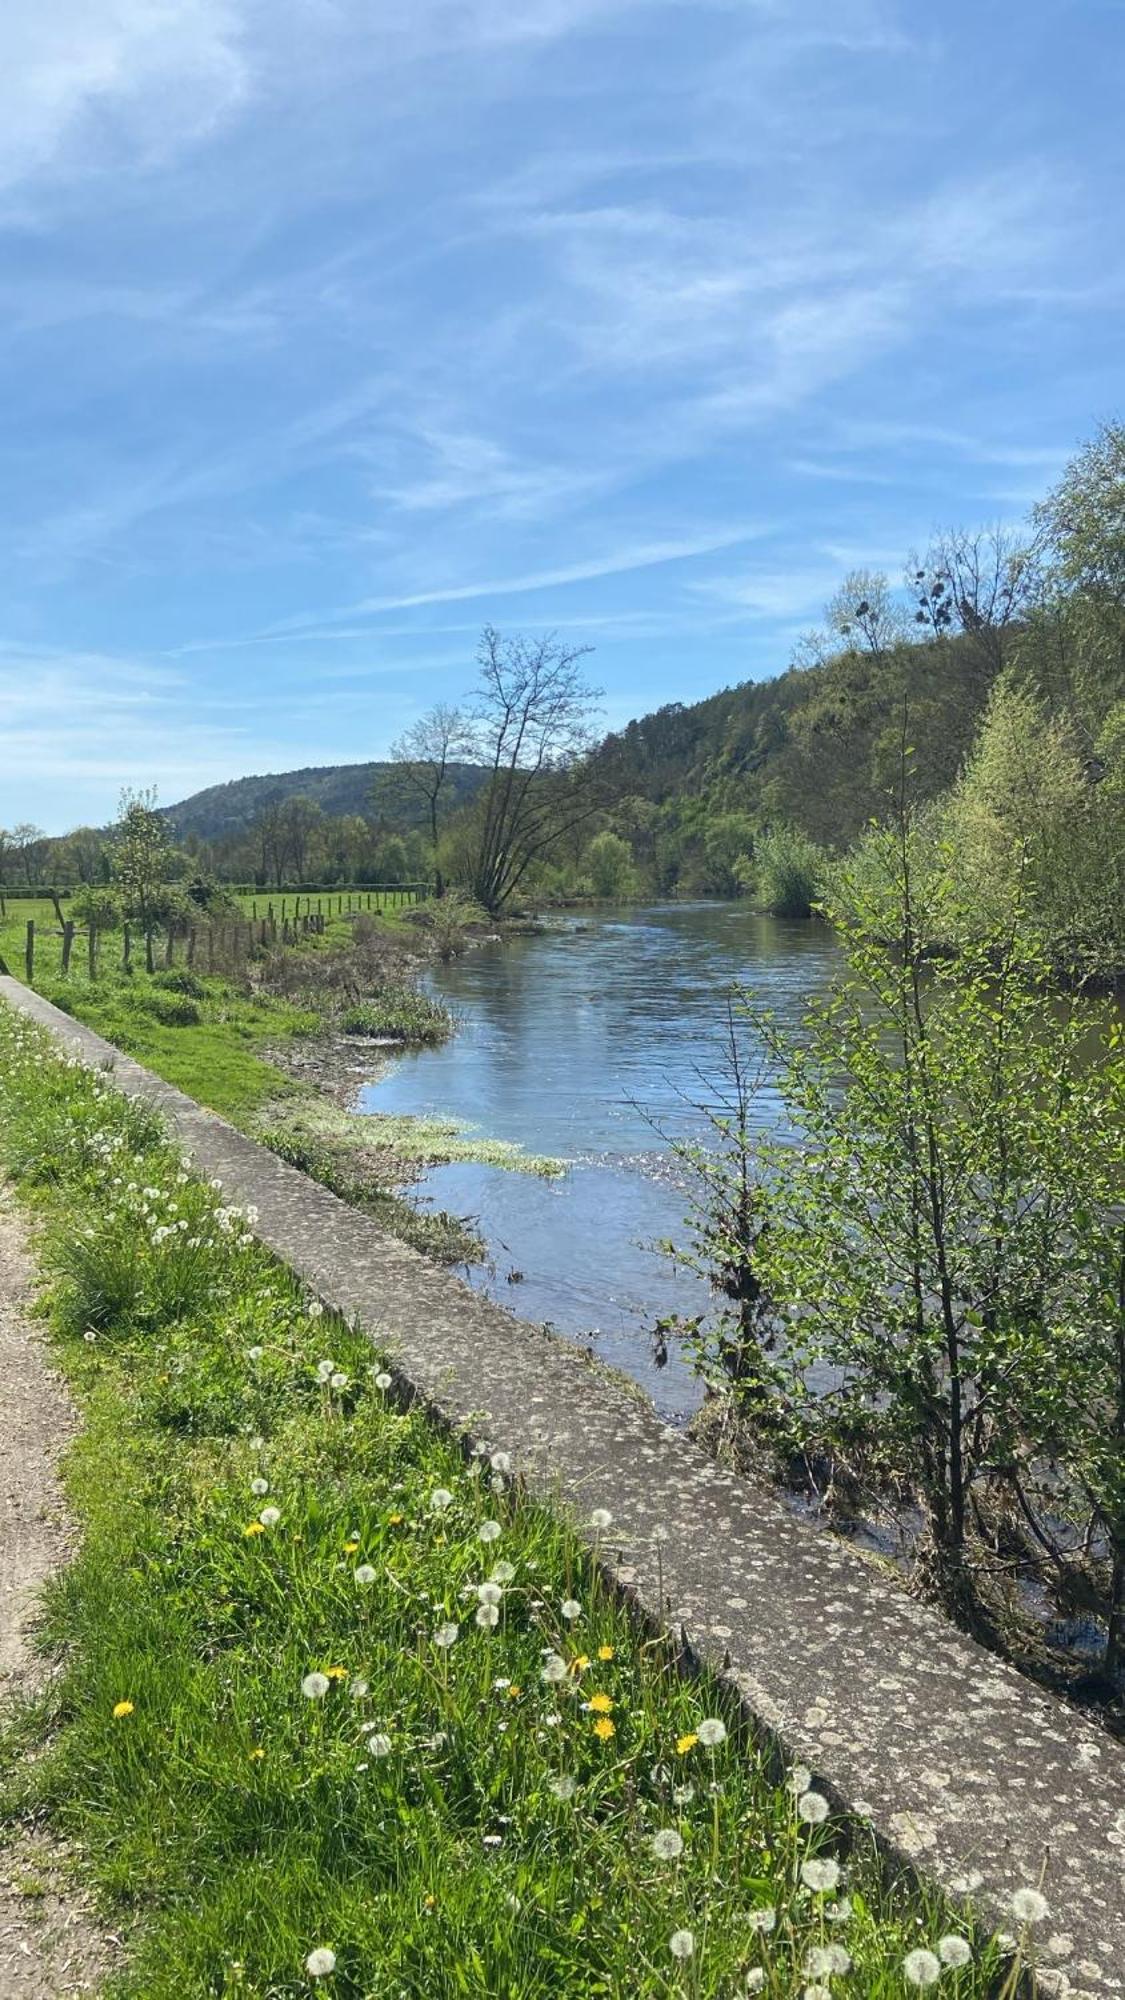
<point x="222" y="812"/>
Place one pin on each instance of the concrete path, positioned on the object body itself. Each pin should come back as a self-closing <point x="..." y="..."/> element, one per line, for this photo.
<point x="50" y="1948"/>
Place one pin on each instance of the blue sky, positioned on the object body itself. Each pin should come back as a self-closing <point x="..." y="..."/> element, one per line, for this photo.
<point x="332" y="328"/>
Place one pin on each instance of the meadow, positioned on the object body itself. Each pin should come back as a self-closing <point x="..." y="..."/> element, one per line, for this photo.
<point x="338" y="1708"/>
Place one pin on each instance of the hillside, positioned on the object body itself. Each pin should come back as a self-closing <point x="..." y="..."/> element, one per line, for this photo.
<point x="817" y="746"/>
<point x="224" y="812"/>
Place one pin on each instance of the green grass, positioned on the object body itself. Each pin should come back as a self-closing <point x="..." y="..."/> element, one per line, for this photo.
<point x="447" y="1821"/>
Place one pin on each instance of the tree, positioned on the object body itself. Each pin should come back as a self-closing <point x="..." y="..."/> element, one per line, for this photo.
<point x="531" y="732"/>
<point x="140" y="856"/>
<point x="1027" y="824"/>
<point x="27" y="843"/>
<point x="425" y="754"/>
<point x="980" y="583"/>
<point x="610" y="863"/>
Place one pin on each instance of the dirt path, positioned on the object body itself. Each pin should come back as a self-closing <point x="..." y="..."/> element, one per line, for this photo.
<point x="50" y="1948"/>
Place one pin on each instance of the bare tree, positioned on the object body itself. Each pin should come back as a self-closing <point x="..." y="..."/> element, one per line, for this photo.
<point x="531" y="731"/>
<point x="978" y="582"/>
<point x="426" y="754"/>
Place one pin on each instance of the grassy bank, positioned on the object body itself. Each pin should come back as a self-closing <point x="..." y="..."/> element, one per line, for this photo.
<point x="229" y="1042"/>
<point x="338" y="1709"/>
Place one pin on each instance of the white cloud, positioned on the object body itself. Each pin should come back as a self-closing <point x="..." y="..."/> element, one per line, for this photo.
<point x="80" y="79"/>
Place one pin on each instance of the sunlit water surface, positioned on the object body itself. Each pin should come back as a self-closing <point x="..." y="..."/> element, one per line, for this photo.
<point x="596" y="1043"/>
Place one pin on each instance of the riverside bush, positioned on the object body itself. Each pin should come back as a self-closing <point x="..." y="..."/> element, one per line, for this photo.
<point x="337" y="1701"/>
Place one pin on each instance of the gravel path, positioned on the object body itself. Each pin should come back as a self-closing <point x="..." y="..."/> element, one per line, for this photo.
<point x="50" y="1948"/>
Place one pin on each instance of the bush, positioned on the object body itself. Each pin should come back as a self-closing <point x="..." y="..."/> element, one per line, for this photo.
<point x="179" y="980"/>
<point x="95" y="908"/>
<point x="173" y="1010"/>
<point x="790" y="872"/>
<point x="401" y="1015"/>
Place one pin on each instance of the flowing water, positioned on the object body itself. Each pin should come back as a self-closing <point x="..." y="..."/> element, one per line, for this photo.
<point x="596" y="1043"/>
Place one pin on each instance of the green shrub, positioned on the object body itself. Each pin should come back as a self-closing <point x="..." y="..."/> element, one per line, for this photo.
<point x="401" y="1014"/>
<point x="180" y="980"/>
<point x="173" y="1010"/>
<point x="790" y="872"/>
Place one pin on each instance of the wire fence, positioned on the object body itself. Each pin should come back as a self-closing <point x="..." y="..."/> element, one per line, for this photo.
<point x="210" y="944"/>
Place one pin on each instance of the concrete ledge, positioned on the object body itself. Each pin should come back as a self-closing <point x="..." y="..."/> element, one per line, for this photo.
<point x="961" y="1766"/>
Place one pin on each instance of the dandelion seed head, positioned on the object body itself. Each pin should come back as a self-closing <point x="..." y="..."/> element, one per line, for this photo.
<point x="503" y="1572"/>
<point x="490" y="1593"/>
<point x="259" y="1486"/>
<point x="320" y="1962"/>
<point x="315" y="1686"/>
<point x="763" y="1920"/>
<point x="755" y="1979"/>
<point x="564" y="1787"/>
<point x="379" y="1745"/>
<point x="501" y="1462"/>
<point x="446" y="1636"/>
<point x="921" y="1968"/>
<point x="489" y="1531"/>
<point x="487" y="1616"/>
<point x="1029" y="1906"/>
<point x="364" y="1574"/>
<point x="570" y="1608"/>
<point x="799" y="1779"/>
<point x="667" y="1845"/>
<point x="953" y="1950"/>
<point x="812" y="1807"/>
<point x="600" y="1518"/>
<point x="270" y="1516"/>
<point x="821" y="1875"/>
<point x="337" y="1379"/>
<point x="382" y="1380"/>
<point x="712" y="1732"/>
<point x="440" y="1499"/>
<point x="681" y="1944"/>
<point x="553" y="1668"/>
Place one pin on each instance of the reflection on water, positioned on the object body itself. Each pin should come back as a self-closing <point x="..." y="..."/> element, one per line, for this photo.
<point x="590" y="1043"/>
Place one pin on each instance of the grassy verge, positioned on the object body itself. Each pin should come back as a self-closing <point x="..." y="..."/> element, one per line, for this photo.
<point x="339" y="1709"/>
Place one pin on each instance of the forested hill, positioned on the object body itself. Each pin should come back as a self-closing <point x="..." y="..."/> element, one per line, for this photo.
<point x="817" y="747"/>
<point x="224" y="812"/>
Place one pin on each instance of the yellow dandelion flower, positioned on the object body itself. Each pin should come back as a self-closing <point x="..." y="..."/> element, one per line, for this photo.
<point x="514" y="1692"/>
<point x="253" y="1528"/>
<point x="336" y="1673"/>
<point x="604" y="1728"/>
<point x="686" y="1743"/>
<point x="602" y="1704"/>
<point x="580" y="1663"/>
<point x="256" y="1753"/>
<point x="395" y="1520"/>
<point x="350" y="1548"/>
<point x="121" y="1708"/>
<point x="605" y="1652"/>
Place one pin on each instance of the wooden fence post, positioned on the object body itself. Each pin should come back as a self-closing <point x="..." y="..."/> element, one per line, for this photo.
<point x="126" y="948"/>
<point x="191" y="946"/>
<point x="92" y="951"/>
<point x="150" y="962"/>
<point x="29" y="951"/>
<point x="67" y="947"/>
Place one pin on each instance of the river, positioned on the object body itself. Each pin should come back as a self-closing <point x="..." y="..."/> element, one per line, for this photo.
<point x="595" y="1043"/>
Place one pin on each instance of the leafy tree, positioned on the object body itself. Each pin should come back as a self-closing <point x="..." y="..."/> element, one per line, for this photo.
<point x="609" y="861"/>
<point x="945" y="1245"/>
<point x="140" y="855"/>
